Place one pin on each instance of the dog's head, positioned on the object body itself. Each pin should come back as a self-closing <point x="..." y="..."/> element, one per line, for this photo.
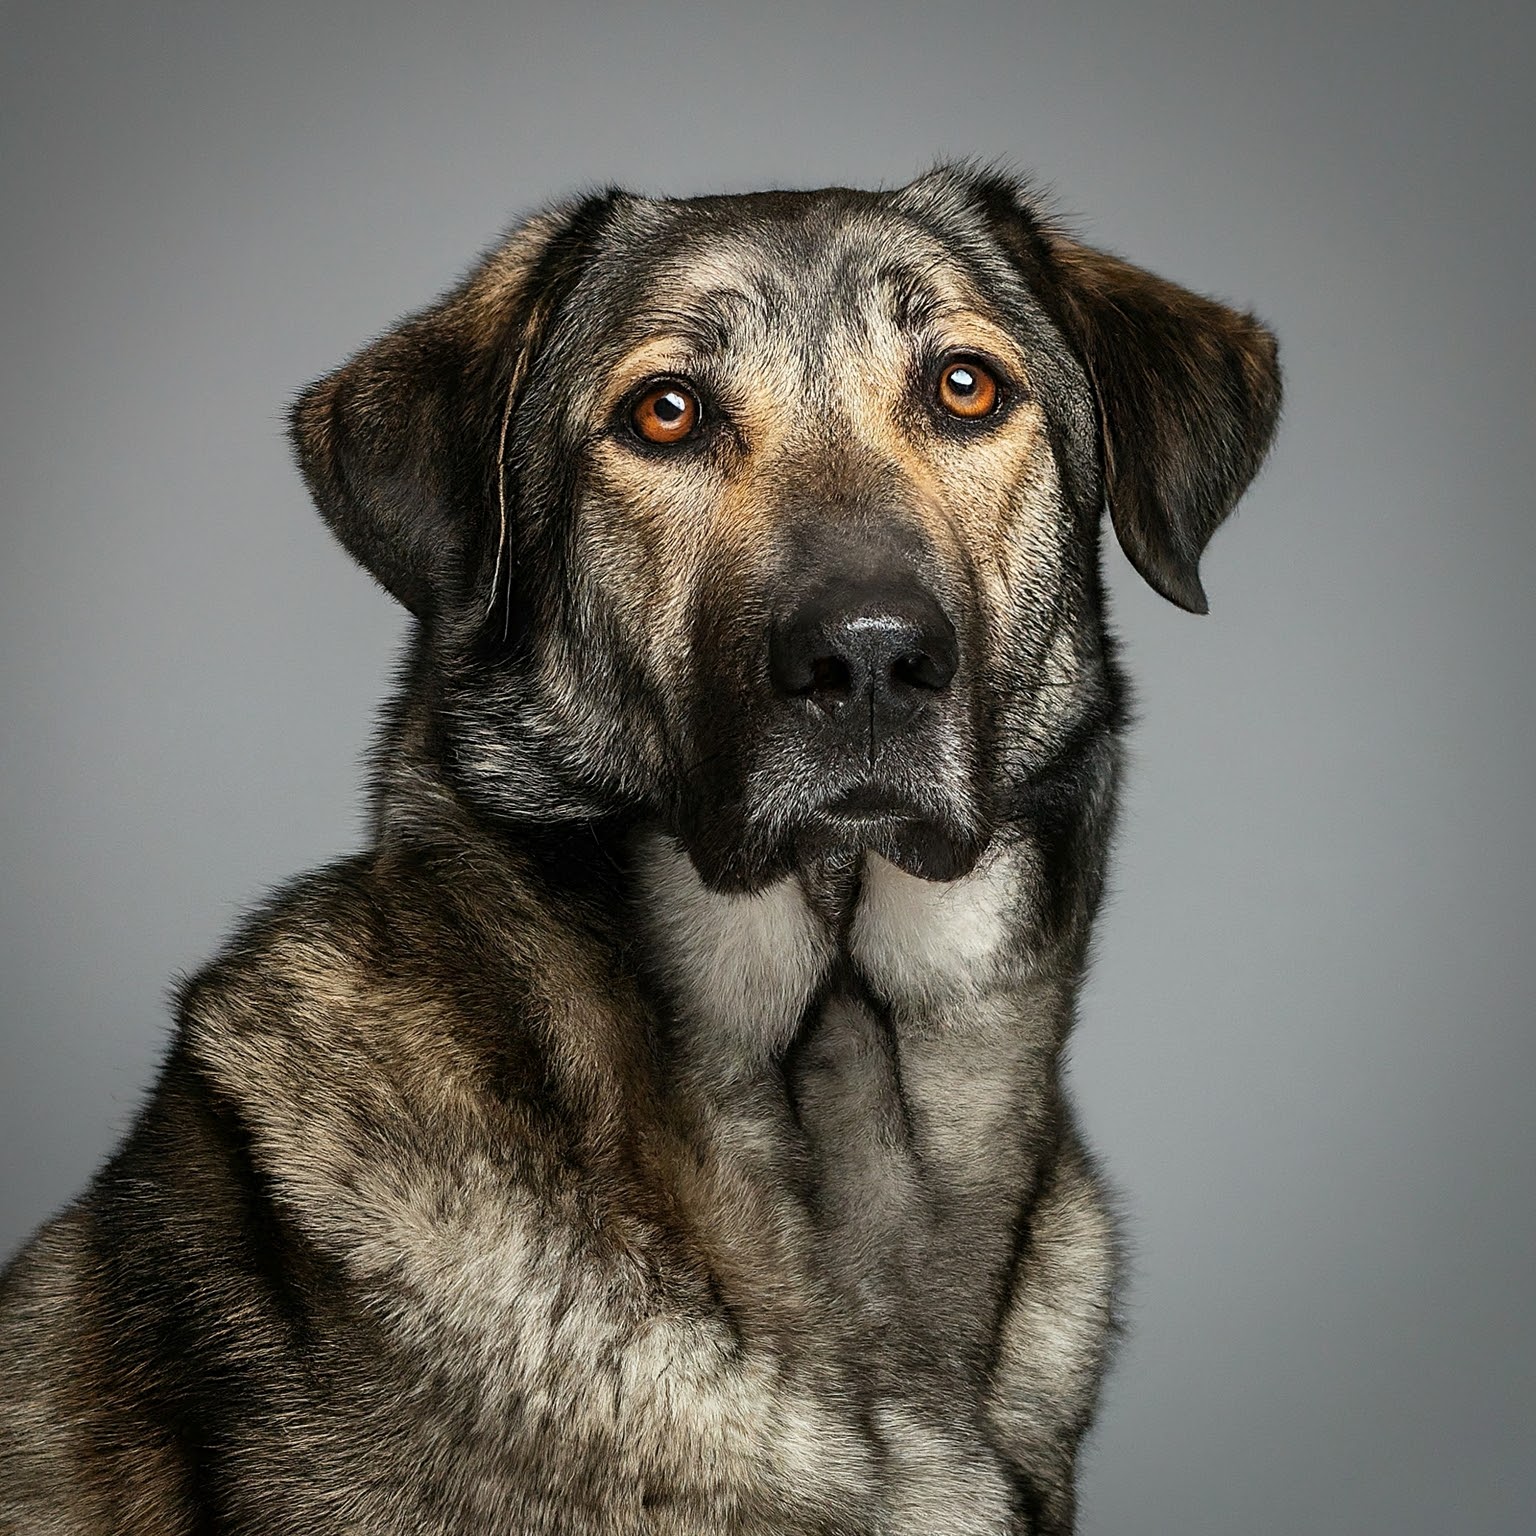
<point x="775" y="517"/>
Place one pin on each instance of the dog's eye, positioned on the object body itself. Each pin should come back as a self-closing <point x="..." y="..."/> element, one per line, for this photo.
<point x="666" y="414"/>
<point x="967" y="389"/>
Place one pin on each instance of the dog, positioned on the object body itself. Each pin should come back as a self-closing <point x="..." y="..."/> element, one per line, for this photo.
<point x="659" y="1127"/>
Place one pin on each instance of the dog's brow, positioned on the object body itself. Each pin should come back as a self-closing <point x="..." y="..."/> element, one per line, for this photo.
<point x="925" y="295"/>
<point x="669" y="351"/>
<point x="938" y="307"/>
<point x="706" y="321"/>
<point x="679" y="337"/>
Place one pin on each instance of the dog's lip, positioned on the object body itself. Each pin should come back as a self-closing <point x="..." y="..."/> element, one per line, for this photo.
<point x="867" y="802"/>
<point x="920" y="839"/>
<point x="915" y="840"/>
<point x="872" y="807"/>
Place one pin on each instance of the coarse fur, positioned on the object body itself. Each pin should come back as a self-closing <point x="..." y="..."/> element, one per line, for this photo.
<point x="659" y="1127"/>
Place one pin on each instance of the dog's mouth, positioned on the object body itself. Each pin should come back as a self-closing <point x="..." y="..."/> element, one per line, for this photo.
<point x="920" y="845"/>
<point x="866" y="803"/>
<point x="742" y="849"/>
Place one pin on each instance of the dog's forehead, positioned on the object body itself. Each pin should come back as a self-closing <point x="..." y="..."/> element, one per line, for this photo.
<point x="718" y="269"/>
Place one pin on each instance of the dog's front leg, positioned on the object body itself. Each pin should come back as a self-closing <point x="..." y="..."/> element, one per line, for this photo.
<point x="1056" y="1328"/>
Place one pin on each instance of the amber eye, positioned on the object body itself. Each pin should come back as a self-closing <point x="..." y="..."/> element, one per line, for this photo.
<point x="967" y="389"/>
<point x="666" y="414"/>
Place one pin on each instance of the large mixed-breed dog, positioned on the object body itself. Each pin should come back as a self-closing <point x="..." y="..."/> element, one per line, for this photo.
<point x="659" y="1127"/>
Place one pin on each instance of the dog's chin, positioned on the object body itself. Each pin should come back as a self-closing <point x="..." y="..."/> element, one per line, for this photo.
<point x="924" y="846"/>
<point x="921" y="847"/>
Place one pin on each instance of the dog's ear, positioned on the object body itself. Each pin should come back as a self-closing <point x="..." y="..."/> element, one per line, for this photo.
<point x="1188" y="394"/>
<point x="399" y="445"/>
<point x="1187" y="390"/>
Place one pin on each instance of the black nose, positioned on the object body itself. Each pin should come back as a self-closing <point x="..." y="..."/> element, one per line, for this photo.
<point x="875" y="649"/>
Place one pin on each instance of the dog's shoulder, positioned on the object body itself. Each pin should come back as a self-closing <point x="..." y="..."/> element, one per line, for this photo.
<point x="386" y="1010"/>
<point x="319" y="972"/>
<point x="392" y="972"/>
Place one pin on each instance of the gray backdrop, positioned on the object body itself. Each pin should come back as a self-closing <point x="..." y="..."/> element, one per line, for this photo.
<point x="1306" y="1052"/>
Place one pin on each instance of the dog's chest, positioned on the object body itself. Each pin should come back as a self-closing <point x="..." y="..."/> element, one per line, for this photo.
<point x="887" y="1073"/>
<point x="804" y="1344"/>
<point x="879" y="1078"/>
<point x="916" y="1152"/>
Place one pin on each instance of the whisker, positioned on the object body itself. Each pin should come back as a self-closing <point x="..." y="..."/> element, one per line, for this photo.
<point x="514" y="388"/>
<point x="501" y="493"/>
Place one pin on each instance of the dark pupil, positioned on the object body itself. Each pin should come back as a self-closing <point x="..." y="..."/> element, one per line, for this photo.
<point x="669" y="407"/>
<point x="962" y="381"/>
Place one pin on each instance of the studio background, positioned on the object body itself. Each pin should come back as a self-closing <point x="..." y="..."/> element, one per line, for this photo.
<point x="1306" y="1053"/>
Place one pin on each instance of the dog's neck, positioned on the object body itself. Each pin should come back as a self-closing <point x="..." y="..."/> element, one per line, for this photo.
<point x="751" y="965"/>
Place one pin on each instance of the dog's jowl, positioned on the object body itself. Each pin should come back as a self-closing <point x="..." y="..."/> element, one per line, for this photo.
<point x="659" y="1127"/>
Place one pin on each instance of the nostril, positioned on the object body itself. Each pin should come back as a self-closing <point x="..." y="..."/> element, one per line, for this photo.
<point x="827" y="682"/>
<point x="830" y="675"/>
<point x="917" y="669"/>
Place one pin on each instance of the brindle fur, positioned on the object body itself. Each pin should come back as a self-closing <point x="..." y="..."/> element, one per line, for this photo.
<point x="618" y="1144"/>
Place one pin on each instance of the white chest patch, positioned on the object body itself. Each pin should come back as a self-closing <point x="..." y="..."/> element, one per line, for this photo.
<point x="744" y="968"/>
<point x="941" y="941"/>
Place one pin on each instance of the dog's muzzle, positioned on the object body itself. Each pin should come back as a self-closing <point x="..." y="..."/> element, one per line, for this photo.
<point x="857" y="734"/>
<point x="861" y="660"/>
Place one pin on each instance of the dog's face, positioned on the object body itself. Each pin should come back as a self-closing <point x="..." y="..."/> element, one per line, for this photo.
<point x="775" y="517"/>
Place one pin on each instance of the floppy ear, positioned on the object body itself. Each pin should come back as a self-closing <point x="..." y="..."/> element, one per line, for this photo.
<point x="399" y="445"/>
<point x="1188" y="393"/>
